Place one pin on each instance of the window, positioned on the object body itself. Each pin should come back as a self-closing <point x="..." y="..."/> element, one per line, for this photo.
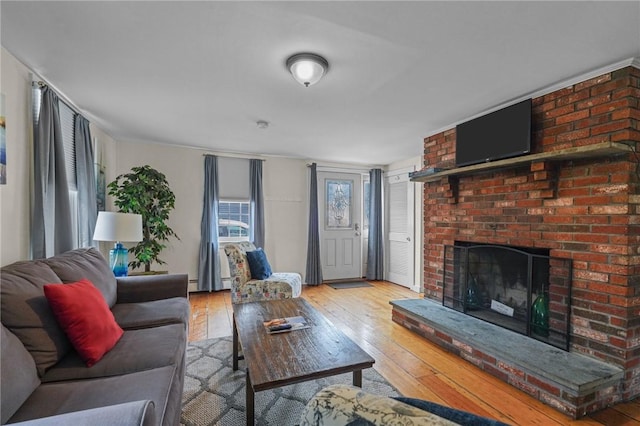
<point x="233" y="220"/>
<point x="366" y="193"/>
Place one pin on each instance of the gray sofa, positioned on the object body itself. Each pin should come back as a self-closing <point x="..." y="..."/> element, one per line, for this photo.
<point x="44" y="381"/>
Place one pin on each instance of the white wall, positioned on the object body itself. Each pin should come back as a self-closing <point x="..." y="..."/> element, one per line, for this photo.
<point x="286" y="196"/>
<point x="185" y="173"/>
<point x="15" y="84"/>
<point x="285" y="189"/>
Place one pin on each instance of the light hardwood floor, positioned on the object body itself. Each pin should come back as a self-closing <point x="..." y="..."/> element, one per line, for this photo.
<point x="415" y="366"/>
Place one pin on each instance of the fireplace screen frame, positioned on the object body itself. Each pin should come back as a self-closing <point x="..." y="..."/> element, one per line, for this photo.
<point x="548" y="321"/>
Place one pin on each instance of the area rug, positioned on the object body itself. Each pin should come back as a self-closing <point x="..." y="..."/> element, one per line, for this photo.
<point x="214" y="394"/>
<point x="349" y="284"/>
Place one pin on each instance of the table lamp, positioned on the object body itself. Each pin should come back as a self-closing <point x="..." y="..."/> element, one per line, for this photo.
<point x="118" y="227"/>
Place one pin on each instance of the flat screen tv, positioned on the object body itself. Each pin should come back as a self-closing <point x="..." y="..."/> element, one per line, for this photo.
<point x="501" y="134"/>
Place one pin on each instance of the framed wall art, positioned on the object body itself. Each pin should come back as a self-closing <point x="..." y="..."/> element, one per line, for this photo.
<point x="3" y="142"/>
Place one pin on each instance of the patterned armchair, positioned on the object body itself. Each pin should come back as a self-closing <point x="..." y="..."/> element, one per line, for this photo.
<point x="280" y="285"/>
<point x="343" y="405"/>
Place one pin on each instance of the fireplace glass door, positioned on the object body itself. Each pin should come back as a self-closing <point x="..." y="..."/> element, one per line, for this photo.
<point x="523" y="290"/>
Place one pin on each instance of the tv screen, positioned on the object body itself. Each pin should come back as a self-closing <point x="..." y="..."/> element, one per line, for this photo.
<point x="501" y="134"/>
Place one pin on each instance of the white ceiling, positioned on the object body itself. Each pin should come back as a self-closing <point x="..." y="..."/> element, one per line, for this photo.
<point x="202" y="73"/>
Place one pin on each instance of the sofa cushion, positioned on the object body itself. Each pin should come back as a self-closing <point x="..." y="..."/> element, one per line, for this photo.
<point x="27" y="314"/>
<point x="136" y="350"/>
<point x="88" y="263"/>
<point x="51" y="399"/>
<point x="85" y="317"/>
<point x="258" y="264"/>
<point x="19" y="374"/>
<point x="280" y="285"/>
<point x="132" y="316"/>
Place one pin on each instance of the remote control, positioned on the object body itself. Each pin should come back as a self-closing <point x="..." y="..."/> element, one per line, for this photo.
<point x="280" y="327"/>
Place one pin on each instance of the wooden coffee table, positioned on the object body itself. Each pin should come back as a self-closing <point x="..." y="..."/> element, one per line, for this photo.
<point x="275" y="360"/>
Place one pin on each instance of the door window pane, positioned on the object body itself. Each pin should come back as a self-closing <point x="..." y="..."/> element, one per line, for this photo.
<point x="338" y="204"/>
<point x="365" y="196"/>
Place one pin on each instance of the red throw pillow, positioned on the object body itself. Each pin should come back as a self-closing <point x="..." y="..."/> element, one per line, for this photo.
<point x="85" y="317"/>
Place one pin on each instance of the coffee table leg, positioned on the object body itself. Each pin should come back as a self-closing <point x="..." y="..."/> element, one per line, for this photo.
<point x="357" y="378"/>
<point x="249" y="398"/>
<point x="235" y="345"/>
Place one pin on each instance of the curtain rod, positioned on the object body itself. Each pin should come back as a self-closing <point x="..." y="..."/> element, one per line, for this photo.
<point x="42" y="84"/>
<point x="336" y="169"/>
<point x="230" y="155"/>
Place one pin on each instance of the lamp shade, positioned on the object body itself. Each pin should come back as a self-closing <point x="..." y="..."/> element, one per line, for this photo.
<point x="307" y="68"/>
<point x="112" y="226"/>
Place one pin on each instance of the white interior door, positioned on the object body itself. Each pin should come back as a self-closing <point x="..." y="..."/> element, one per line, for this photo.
<point x="401" y="230"/>
<point x="340" y="228"/>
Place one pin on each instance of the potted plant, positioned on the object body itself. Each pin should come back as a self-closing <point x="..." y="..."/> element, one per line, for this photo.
<point x="145" y="191"/>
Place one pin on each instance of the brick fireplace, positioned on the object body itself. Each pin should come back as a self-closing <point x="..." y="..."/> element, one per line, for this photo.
<point x="582" y="208"/>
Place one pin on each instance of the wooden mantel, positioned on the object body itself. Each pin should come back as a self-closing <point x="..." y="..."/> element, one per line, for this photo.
<point x="574" y="153"/>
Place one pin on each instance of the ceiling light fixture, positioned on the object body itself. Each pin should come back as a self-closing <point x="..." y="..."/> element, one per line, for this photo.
<point x="307" y="68"/>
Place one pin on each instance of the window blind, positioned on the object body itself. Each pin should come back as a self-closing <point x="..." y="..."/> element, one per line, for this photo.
<point x="67" y="124"/>
<point x="233" y="179"/>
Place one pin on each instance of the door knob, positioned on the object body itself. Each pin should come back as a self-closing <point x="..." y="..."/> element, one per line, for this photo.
<point x="408" y="238"/>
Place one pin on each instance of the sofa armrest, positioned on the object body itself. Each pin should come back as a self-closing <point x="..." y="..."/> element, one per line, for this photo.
<point x="137" y="413"/>
<point x="145" y="288"/>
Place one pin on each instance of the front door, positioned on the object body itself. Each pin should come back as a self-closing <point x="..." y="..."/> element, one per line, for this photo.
<point x="340" y="225"/>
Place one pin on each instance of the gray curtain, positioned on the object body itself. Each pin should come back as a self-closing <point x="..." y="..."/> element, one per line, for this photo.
<point x="51" y="231"/>
<point x="209" y="278"/>
<point x="87" y="204"/>
<point x="313" y="274"/>
<point x="375" y="258"/>
<point x="257" y="203"/>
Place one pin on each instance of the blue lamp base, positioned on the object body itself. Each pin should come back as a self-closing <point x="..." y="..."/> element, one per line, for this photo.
<point x="119" y="260"/>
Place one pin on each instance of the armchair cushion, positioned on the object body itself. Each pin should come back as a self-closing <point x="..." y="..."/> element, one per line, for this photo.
<point x="258" y="264"/>
<point x="238" y="264"/>
<point x="342" y="405"/>
<point x="280" y="285"/>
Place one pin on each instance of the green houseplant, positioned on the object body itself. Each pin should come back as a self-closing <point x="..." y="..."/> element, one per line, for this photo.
<point x="145" y="191"/>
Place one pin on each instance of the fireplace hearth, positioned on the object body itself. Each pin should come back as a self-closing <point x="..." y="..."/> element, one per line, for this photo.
<point x="521" y="289"/>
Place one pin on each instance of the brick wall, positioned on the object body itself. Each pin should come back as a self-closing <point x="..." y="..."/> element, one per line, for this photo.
<point x="592" y="216"/>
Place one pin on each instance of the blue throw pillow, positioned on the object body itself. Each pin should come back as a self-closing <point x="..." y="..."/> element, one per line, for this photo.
<point x="258" y="264"/>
